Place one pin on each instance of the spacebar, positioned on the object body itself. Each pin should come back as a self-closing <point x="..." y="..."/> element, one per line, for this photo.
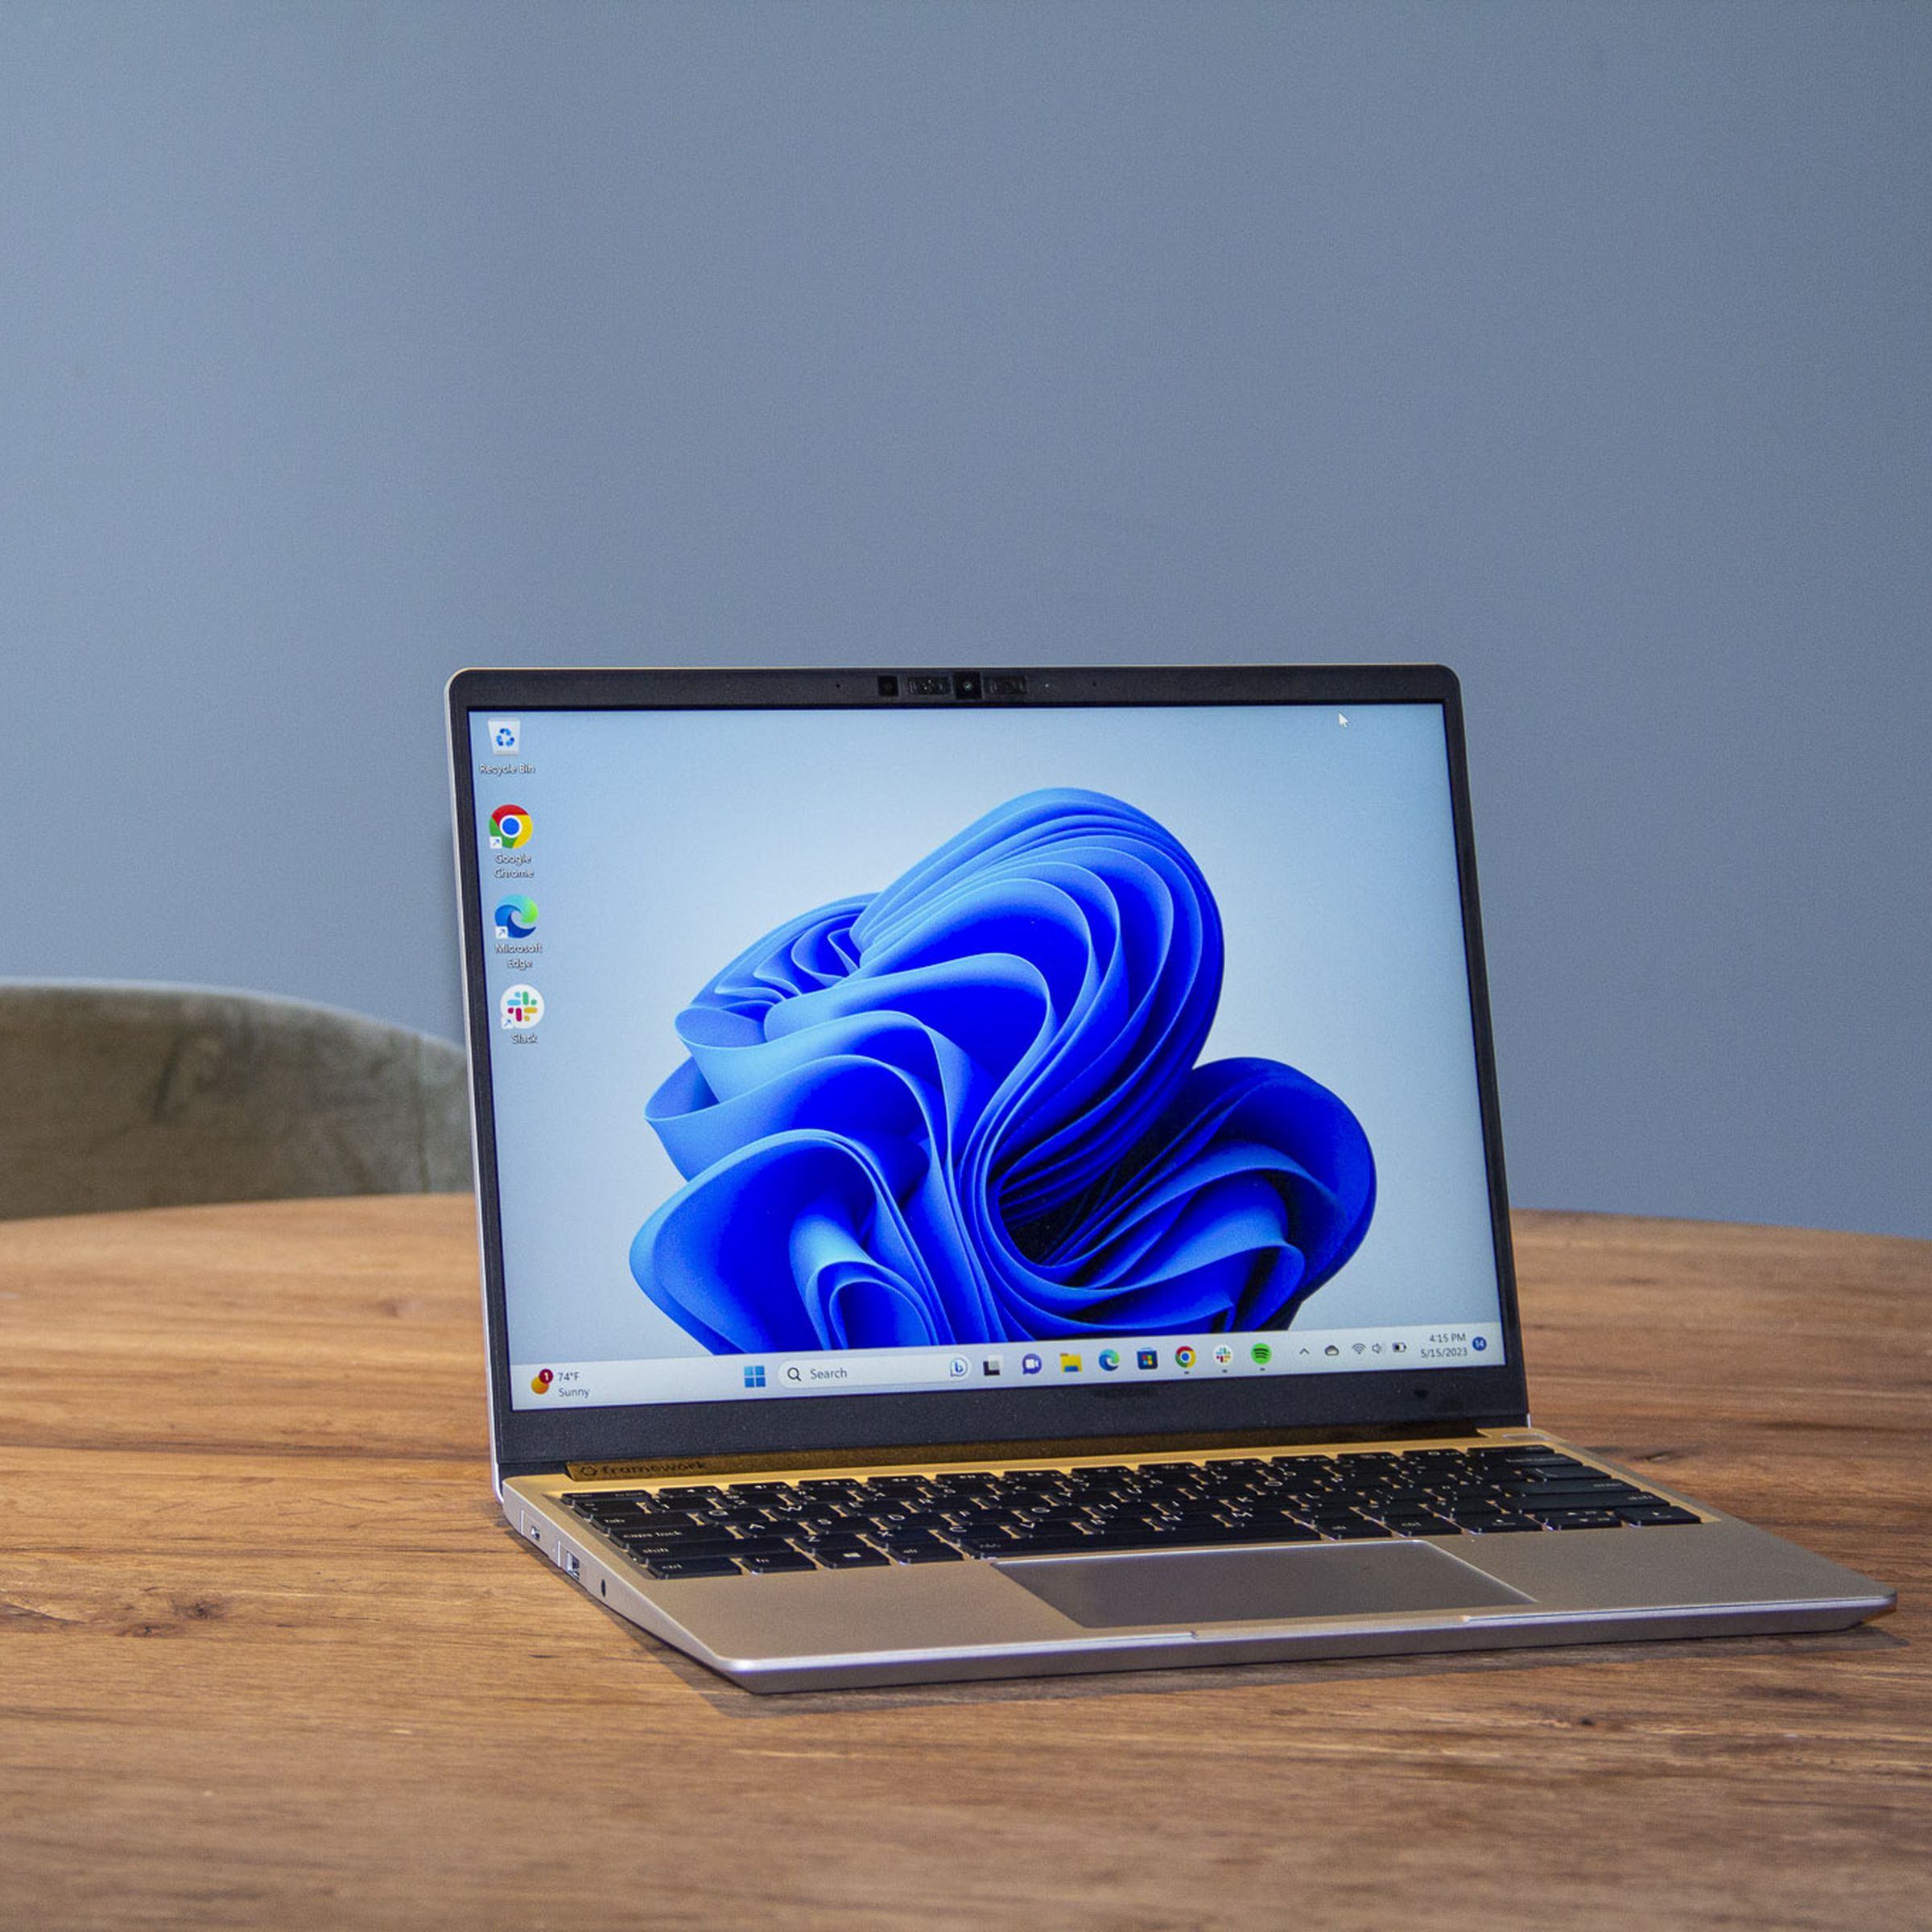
<point x="1069" y="1542"/>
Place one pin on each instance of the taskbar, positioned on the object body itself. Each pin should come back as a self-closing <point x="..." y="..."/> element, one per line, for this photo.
<point x="1168" y="1358"/>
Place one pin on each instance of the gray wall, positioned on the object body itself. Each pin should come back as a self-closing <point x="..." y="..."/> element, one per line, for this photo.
<point x="1583" y="347"/>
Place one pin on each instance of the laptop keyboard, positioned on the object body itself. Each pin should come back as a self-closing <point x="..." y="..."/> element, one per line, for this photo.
<point x="852" y="1523"/>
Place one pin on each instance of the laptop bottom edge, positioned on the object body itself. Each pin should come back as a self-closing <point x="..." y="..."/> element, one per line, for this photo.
<point x="1197" y="1650"/>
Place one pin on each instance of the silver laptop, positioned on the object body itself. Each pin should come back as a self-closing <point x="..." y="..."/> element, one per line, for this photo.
<point x="992" y="1172"/>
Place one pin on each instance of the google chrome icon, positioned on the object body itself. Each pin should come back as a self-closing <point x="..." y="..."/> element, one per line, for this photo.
<point x="516" y="918"/>
<point x="509" y="828"/>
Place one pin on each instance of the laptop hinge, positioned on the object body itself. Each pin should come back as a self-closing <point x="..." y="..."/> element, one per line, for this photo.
<point x="640" y="1468"/>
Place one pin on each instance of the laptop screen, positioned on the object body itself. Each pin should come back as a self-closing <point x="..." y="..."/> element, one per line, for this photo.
<point x="880" y="1051"/>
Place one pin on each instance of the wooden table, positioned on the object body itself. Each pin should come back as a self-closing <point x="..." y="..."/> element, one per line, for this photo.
<point x="270" y="1658"/>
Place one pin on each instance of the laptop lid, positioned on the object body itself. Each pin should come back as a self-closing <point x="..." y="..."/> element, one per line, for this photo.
<point x="870" y="1059"/>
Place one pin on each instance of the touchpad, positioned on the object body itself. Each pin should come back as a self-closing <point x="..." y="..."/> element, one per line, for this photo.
<point x="1245" y="1586"/>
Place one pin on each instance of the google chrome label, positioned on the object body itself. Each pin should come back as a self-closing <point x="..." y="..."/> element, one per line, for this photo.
<point x="509" y="828"/>
<point x="516" y="918"/>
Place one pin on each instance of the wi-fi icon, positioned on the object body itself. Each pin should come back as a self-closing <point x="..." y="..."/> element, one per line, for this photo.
<point x="1358" y="1347"/>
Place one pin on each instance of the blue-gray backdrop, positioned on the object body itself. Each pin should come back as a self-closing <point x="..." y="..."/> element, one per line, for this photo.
<point x="1583" y="347"/>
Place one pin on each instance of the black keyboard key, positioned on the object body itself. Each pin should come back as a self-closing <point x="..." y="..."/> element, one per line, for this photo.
<point x="1549" y="1478"/>
<point x="1588" y="1485"/>
<point x="1049" y="1525"/>
<point x="862" y="1558"/>
<point x="817" y="1519"/>
<point x="1578" y="1485"/>
<point x="935" y="1552"/>
<point x="879" y="1526"/>
<point x="1658" y="1511"/>
<point x="981" y="1521"/>
<point x="1154" y="1537"/>
<point x="1067" y="1543"/>
<point x="667" y="1567"/>
<point x="1271" y="1529"/>
<point x="721" y="1549"/>
<point x="1299" y="1503"/>
<point x="1063" y="1541"/>
<point x="986" y="1542"/>
<point x="909" y="1539"/>
<point x="1360" y="1530"/>
<point x="1575" y="1519"/>
<point x="641" y="1541"/>
<point x="778" y="1560"/>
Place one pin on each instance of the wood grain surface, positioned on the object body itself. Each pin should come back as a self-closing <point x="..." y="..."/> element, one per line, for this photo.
<point x="268" y="1656"/>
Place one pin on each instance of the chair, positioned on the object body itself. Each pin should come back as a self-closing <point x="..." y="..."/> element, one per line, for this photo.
<point x="130" y="1096"/>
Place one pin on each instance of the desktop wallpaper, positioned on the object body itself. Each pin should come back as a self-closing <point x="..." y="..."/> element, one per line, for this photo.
<point x="971" y="1108"/>
<point x="872" y="1027"/>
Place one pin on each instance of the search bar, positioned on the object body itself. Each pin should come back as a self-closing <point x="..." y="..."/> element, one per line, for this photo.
<point x="818" y="1373"/>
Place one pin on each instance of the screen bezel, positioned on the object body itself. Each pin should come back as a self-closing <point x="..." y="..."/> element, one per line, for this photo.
<point x="1289" y="1408"/>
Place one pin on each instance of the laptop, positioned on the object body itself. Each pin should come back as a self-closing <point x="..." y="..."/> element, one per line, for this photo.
<point x="995" y="1172"/>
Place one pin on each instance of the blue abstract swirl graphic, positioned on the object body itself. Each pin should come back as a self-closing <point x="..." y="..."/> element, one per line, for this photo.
<point x="967" y="1108"/>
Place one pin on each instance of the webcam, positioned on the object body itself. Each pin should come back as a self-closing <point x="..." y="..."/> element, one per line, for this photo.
<point x="962" y="687"/>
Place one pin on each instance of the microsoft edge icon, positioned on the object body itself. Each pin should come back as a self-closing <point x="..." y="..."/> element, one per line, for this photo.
<point x="516" y="918"/>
